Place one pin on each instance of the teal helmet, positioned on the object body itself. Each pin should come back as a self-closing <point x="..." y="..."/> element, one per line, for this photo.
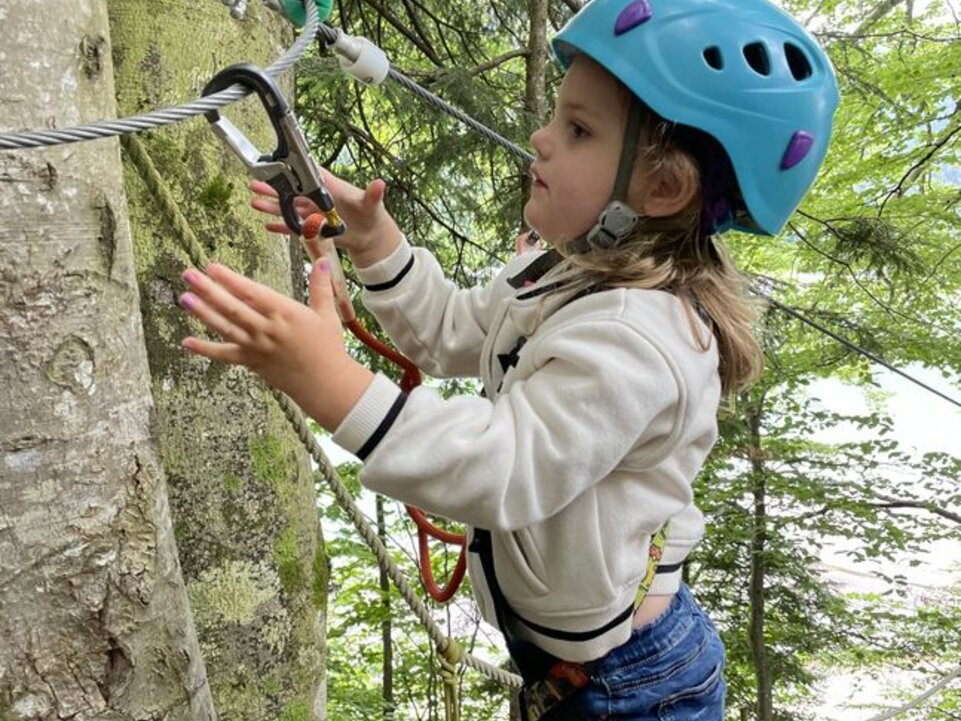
<point x="743" y="72"/>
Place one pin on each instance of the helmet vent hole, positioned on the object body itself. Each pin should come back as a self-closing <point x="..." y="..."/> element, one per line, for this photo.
<point x="757" y="57"/>
<point x="798" y="62"/>
<point x="713" y="57"/>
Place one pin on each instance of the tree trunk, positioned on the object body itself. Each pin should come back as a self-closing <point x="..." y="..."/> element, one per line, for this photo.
<point x="93" y="610"/>
<point x="762" y="667"/>
<point x="242" y="494"/>
<point x="535" y="91"/>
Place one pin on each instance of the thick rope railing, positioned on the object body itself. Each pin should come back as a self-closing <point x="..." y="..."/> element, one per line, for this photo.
<point x="449" y="649"/>
<point x="166" y="116"/>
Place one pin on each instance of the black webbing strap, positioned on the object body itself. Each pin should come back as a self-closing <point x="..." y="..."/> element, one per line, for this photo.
<point x="625" y="166"/>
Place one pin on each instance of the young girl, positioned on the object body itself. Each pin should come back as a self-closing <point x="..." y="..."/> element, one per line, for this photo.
<point x="602" y="358"/>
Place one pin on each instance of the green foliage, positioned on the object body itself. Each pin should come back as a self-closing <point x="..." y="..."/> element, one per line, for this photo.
<point x="296" y="710"/>
<point x="874" y="254"/>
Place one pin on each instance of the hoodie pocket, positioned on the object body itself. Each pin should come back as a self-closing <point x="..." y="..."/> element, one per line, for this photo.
<point x="525" y="574"/>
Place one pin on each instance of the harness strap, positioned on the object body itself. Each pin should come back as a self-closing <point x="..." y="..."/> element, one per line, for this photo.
<point x="655" y="551"/>
<point x="550" y="683"/>
<point x="504" y="612"/>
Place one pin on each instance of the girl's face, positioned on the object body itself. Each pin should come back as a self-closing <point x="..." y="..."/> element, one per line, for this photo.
<point x="577" y="153"/>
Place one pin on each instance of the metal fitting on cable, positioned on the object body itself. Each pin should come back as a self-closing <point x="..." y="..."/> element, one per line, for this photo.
<point x="361" y="58"/>
<point x="238" y="8"/>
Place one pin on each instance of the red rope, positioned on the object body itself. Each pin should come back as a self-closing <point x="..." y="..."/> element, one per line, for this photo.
<point x="409" y="380"/>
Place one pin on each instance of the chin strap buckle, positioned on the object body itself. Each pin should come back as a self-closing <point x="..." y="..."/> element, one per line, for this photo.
<point x="615" y="225"/>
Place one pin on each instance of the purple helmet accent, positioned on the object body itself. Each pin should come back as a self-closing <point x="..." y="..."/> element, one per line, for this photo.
<point x="797" y="150"/>
<point x="636" y="13"/>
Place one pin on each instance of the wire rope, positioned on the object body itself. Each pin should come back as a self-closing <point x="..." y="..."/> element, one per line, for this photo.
<point x="165" y="116"/>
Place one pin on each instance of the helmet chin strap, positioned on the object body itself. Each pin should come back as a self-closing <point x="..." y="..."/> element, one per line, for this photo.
<point x="618" y="220"/>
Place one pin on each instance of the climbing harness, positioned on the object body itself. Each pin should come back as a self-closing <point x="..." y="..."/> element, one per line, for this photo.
<point x="551" y="683"/>
<point x="292" y="173"/>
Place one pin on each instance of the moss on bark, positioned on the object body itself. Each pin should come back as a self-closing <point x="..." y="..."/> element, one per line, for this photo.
<point x="242" y="495"/>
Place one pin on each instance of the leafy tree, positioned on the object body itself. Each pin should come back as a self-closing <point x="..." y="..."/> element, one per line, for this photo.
<point x="872" y="254"/>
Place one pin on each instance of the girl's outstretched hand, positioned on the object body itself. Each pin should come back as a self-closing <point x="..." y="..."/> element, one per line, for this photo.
<point x="371" y="233"/>
<point x="296" y="348"/>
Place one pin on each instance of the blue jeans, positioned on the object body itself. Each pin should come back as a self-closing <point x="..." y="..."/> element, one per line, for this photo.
<point x="669" y="670"/>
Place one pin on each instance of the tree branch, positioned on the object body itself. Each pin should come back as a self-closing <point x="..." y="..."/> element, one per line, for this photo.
<point x="415" y="39"/>
<point x="499" y="60"/>
<point x="877" y="15"/>
<point x="921" y="505"/>
<point x="951" y="130"/>
<point x="575" y="5"/>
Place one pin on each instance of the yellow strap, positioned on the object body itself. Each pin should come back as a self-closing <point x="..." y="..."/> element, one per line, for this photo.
<point x="654" y="553"/>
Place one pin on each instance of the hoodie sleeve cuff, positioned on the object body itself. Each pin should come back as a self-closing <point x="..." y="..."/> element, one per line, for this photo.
<point x="371" y="418"/>
<point x="388" y="272"/>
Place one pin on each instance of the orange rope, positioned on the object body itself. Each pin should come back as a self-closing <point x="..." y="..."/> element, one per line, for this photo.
<point x="409" y="380"/>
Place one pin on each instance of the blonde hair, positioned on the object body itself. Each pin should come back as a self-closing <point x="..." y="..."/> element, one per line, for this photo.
<point x="674" y="254"/>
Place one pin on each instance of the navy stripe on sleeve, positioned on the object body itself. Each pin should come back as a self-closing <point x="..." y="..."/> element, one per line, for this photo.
<point x="395" y="280"/>
<point x="382" y="429"/>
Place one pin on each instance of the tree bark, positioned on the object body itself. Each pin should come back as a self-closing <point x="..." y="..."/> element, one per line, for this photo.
<point x="535" y="90"/>
<point x="762" y="667"/>
<point x="93" y="609"/>
<point x="242" y="494"/>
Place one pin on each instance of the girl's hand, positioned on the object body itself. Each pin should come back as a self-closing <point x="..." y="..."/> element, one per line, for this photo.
<point x="371" y="233"/>
<point x="527" y="242"/>
<point x="296" y="348"/>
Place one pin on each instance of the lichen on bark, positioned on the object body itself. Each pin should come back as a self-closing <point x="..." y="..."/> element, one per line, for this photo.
<point x="242" y="495"/>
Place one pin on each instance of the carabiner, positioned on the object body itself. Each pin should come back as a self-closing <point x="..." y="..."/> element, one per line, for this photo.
<point x="289" y="169"/>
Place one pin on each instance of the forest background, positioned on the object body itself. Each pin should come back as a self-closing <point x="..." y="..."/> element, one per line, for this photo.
<point x="234" y="599"/>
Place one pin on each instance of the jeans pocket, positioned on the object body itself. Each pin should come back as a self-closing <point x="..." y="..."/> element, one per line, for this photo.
<point x="701" y="702"/>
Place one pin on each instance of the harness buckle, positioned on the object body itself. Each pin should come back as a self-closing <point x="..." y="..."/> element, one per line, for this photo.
<point x="289" y="169"/>
<point x="552" y="697"/>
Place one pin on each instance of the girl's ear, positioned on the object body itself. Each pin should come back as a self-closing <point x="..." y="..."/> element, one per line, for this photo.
<point x="670" y="187"/>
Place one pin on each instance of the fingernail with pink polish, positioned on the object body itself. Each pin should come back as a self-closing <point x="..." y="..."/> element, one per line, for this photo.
<point x="190" y="276"/>
<point x="323" y="265"/>
<point x="188" y="301"/>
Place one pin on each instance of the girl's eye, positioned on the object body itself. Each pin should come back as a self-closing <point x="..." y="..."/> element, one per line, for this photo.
<point x="578" y="131"/>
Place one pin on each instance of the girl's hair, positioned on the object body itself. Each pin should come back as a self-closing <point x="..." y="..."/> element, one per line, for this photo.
<point x="681" y="255"/>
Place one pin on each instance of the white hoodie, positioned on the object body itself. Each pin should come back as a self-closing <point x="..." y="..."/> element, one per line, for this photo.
<point x="587" y="442"/>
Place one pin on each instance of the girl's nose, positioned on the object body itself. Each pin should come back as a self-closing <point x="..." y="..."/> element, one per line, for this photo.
<point x="539" y="141"/>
